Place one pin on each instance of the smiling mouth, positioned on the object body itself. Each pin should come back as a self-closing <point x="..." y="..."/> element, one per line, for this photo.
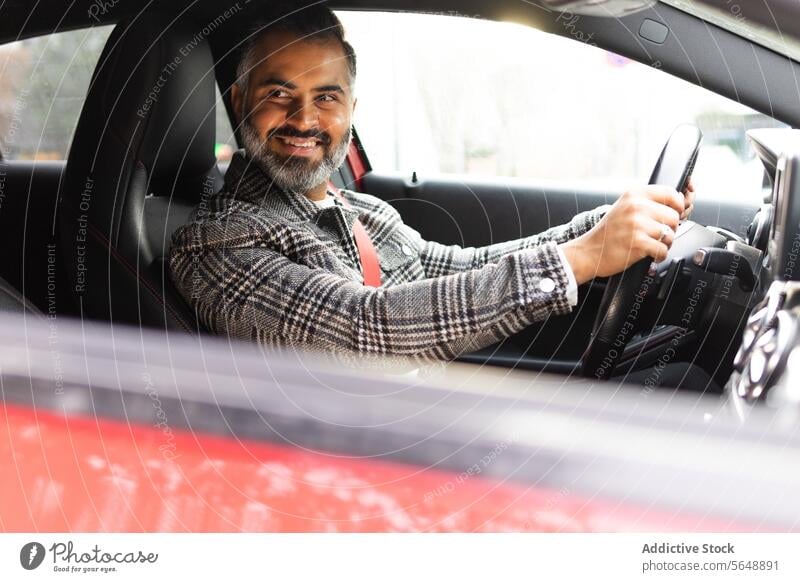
<point x="299" y="142"/>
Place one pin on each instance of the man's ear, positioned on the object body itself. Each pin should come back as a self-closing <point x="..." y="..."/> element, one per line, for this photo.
<point x="236" y="103"/>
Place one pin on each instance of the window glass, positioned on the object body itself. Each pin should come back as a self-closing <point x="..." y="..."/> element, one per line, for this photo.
<point x="467" y="96"/>
<point x="43" y="84"/>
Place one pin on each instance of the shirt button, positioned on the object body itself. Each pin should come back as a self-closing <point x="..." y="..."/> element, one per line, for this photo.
<point x="547" y="285"/>
<point x="406" y="250"/>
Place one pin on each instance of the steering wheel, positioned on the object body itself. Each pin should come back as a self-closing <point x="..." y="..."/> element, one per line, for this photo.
<point x="613" y="325"/>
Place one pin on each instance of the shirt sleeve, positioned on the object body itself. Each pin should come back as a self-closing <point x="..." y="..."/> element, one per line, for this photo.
<point x="256" y="293"/>
<point x="572" y="284"/>
<point x="438" y="259"/>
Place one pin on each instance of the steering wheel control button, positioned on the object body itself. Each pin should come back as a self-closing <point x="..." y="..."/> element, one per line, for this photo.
<point x="406" y="250"/>
<point x="653" y="31"/>
<point x="699" y="257"/>
<point x="547" y="285"/>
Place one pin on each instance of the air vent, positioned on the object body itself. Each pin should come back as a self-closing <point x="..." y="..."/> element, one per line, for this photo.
<point x="766" y="339"/>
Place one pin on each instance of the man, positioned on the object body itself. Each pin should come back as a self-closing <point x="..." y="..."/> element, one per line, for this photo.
<point x="273" y="258"/>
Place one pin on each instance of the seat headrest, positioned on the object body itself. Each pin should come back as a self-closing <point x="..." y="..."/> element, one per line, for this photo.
<point x="153" y="92"/>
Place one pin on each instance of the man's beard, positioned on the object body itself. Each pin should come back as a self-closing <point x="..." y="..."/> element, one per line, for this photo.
<point x="294" y="174"/>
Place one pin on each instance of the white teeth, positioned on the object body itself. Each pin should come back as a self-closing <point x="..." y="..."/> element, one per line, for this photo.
<point x="299" y="144"/>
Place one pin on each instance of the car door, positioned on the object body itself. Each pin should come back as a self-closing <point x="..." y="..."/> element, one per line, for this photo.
<point x="509" y="131"/>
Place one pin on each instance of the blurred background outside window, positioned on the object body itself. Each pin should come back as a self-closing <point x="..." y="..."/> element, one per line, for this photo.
<point x="441" y="94"/>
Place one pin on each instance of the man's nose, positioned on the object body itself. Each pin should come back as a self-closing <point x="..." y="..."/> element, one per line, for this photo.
<point x="303" y="115"/>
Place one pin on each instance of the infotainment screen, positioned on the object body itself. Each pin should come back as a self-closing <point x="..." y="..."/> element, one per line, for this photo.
<point x="784" y="243"/>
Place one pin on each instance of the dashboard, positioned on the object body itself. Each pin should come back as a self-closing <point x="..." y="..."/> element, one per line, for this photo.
<point x="767" y="364"/>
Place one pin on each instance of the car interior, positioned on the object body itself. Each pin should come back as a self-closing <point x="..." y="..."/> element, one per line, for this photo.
<point x="99" y="223"/>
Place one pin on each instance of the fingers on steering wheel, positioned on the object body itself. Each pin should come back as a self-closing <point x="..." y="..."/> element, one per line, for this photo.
<point x="658" y="251"/>
<point x="660" y="239"/>
<point x="667" y="196"/>
<point x="669" y="216"/>
<point x="664" y="214"/>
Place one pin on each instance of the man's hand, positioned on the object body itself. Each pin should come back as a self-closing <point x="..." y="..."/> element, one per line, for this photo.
<point x="689" y="203"/>
<point x="640" y="224"/>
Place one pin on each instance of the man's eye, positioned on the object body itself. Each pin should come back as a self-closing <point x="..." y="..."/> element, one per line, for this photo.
<point x="277" y="94"/>
<point x="327" y="97"/>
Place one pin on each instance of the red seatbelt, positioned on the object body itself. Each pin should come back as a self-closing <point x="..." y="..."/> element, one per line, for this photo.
<point x="356" y="161"/>
<point x="370" y="265"/>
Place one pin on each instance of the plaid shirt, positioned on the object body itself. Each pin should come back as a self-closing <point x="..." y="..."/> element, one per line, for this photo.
<point x="269" y="266"/>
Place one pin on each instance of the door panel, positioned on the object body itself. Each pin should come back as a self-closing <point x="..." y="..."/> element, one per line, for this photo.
<point x="471" y="212"/>
<point x="468" y="212"/>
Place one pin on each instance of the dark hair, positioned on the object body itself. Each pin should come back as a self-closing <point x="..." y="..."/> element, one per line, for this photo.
<point x="315" y="22"/>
